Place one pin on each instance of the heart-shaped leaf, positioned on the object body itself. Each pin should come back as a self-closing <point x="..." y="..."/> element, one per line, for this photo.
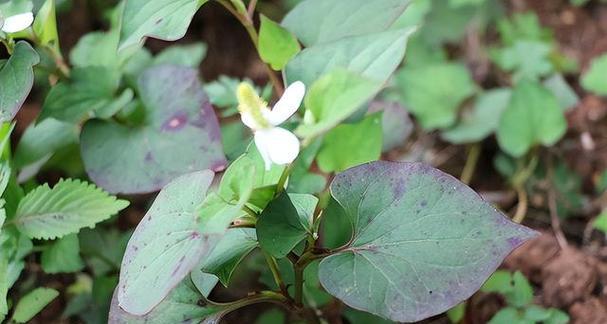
<point x="162" y="19"/>
<point x="285" y="222"/>
<point x="165" y="246"/>
<point x="17" y="79"/>
<point x="533" y="116"/>
<point x="374" y="56"/>
<point x="180" y="135"/>
<point x="422" y="241"/>
<point x="322" y="21"/>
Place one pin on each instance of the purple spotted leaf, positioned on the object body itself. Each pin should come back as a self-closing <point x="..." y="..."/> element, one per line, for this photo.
<point x="166" y="245"/>
<point x="180" y="135"/>
<point x="422" y="241"/>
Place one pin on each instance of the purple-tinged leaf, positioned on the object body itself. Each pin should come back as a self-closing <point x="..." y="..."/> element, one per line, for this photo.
<point x="180" y="134"/>
<point x="165" y="246"/>
<point x="422" y="243"/>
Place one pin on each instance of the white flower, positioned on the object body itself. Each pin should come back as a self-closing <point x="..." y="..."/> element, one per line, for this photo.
<point x="276" y="145"/>
<point x="17" y="23"/>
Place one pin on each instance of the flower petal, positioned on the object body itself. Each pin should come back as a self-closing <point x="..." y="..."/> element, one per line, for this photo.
<point x="280" y="145"/>
<point x="260" y="142"/>
<point x="18" y="22"/>
<point x="288" y="104"/>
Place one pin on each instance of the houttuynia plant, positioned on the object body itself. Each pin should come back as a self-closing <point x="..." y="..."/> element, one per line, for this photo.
<point x="403" y="241"/>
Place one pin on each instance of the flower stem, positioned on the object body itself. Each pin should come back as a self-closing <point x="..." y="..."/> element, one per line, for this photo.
<point x="247" y="22"/>
<point x="280" y="186"/>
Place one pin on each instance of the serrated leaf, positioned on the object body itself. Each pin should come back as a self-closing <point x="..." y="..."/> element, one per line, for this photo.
<point x="32" y="303"/>
<point x="63" y="255"/>
<point x="285" y="222"/>
<point x="433" y="93"/>
<point x="179" y="122"/>
<point x="349" y="145"/>
<point x="162" y="19"/>
<point x="17" y="79"/>
<point x="235" y="245"/>
<point x="321" y="21"/>
<point x="166" y="245"/>
<point x="422" y="241"/>
<point x="71" y="205"/>
<point x="276" y="45"/>
<point x="532" y="117"/>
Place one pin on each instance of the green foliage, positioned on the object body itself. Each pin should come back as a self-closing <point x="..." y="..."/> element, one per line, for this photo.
<point x="482" y="120"/>
<point x="63" y="255"/>
<point x="162" y="19"/>
<point x="45" y="25"/>
<point x="519" y="296"/>
<point x="285" y="222"/>
<point x="532" y="117"/>
<point x="332" y="99"/>
<point x="433" y="93"/>
<point x="276" y="45"/>
<point x="17" y="78"/>
<point x="32" y="303"/>
<point x="594" y="79"/>
<point x="525" y="59"/>
<point x="600" y="223"/>
<point x="230" y="251"/>
<point x="349" y="145"/>
<point x="66" y="208"/>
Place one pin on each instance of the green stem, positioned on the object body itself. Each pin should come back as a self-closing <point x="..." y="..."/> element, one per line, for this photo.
<point x="276" y="273"/>
<point x="280" y="186"/>
<point x="247" y="22"/>
<point x="474" y="154"/>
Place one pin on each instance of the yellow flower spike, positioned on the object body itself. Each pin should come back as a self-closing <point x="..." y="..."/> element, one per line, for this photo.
<point x="251" y="104"/>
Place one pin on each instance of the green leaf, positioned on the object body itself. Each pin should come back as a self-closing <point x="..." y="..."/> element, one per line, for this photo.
<point x="373" y="56"/>
<point x="43" y="139"/>
<point x="523" y="26"/>
<point x="508" y="315"/>
<point x="162" y="19"/>
<point x="349" y="145"/>
<point x="533" y="117"/>
<point x="433" y="93"/>
<point x="594" y="79"/>
<point x="334" y="98"/>
<point x="17" y="78"/>
<point x="166" y="245"/>
<point x="285" y="222"/>
<point x="600" y="223"/>
<point x="181" y="305"/>
<point x="526" y="59"/>
<point x="179" y="121"/>
<point x="89" y="89"/>
<point x="103" y="249"/>
<point x="97" y="49"/>
<point x="513" y="286"/>
<point x="236" y="244"/>
<point x="482" y="120"/>
<point x="45" y="26"/>
<point x="70" y="206"/>
<point x="32" y="303"/>
<point x="190" y="55"/>
<point x="4" y="284"/>
<point x="63" y="255"/>
<point x="277" y="46"/>
<point x="320" y="21"/>
<point x="422" y="243"/>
